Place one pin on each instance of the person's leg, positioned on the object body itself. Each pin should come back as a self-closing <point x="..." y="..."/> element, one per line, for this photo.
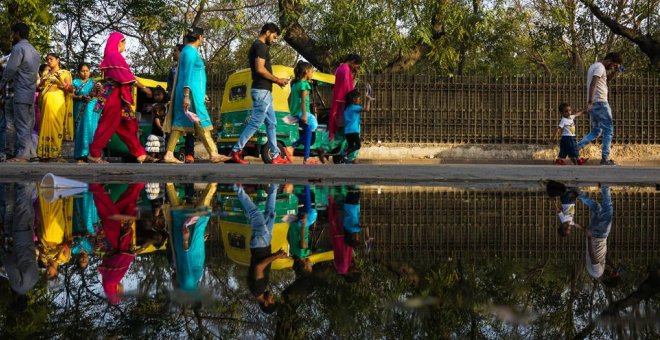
<point x="206" y="199"/>
<point x="128" y="133"/>
<point x="593" y="134"/>
<point x="207" y="140"/>
<point x="271" y="201"/>
<point x="353" y="140"/>
<point x="24" y="123"/>
<point x="562" y="148"/>
<point x="307" y="131"/>
<point x="190" y="144"/>
<point x="607" y="126"/>
<point x="271" y="126"/>
<point x="7" y="131"/>
<point x="260" y="106"/>
<point x="108" y="124"/>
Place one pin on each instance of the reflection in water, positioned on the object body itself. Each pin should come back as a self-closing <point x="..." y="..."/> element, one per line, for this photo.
<point x="215" y="260"/>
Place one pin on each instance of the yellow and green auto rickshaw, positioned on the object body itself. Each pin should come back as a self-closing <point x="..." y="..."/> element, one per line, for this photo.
<point x="117" y="148"/>
<point x="236" y="231"/>
<point x="236" y="109"/>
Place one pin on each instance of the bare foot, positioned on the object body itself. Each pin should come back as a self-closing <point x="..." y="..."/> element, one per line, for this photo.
<point x="171" y="160"/>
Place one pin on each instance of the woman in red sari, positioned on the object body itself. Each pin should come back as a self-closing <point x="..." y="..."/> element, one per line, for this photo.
<point x="343" y="84"/>
<point x="116" y="103"/>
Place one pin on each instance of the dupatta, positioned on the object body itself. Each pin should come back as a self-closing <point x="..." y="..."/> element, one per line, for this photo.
<point x="343" y="85"/>
<point x="116" y="69"/>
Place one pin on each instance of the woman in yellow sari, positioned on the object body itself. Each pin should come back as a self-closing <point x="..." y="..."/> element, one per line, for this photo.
<point x="56" y="104"/>
<point x="55" y="233"/>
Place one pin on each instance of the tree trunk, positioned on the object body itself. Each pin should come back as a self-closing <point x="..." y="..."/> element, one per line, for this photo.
<point x="646" y="43"/>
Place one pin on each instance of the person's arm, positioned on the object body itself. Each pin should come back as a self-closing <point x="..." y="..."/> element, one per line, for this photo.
<point x="303" y="237"/>
<point x="557" y="134"/>
<point x="12" y="67"/>
<point x="261" y="266"/>
<point x="579" y="113"/>
<point x="590" y="97"/>
<point x="367" y="105"/>
<point x="303" y="99"/>
<point x="143" y="88"/>
<point x="260" y="66"/>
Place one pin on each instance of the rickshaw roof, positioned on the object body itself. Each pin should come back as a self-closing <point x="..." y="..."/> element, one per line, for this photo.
<point x="318" y="76"/>
<point x="152" y="83"/>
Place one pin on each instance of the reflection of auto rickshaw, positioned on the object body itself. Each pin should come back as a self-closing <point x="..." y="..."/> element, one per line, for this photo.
<point x="236" y="230"/>
<point x="117" y="148"/>
<point x="237" y="107"/>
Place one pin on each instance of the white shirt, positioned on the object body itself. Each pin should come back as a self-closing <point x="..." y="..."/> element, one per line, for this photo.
<point x="600" y="90"/>
<point x="567" y="126"/>
<point x="563" y="218"/>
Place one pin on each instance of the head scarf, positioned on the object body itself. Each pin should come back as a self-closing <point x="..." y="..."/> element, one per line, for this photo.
<point x="115" y="67"/>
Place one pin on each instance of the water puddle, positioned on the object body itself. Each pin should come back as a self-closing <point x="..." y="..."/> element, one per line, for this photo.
<point x="280" y="260"/>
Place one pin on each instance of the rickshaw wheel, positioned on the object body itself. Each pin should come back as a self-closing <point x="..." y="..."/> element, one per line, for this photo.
<point x="266" y="155"/>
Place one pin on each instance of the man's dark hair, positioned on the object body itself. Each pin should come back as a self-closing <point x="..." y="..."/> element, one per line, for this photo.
<point x="180" y="47"/>
<point x="353" y="57"/>
<point x="270" y="27"/>
<point x="350" y="97"/>
<point x="563" y="106"/>
<point x="268" y="309"/>
<point x="614" y="57"/>
<point x="22" y="29"/>
<point x="562" y="230"/>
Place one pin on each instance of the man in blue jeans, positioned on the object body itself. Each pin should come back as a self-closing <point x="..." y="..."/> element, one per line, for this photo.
<point x="261" y="256"/>
<point x="597" y="105"/>
<point x="600" y="224"/>
<point x="262" y="96"/>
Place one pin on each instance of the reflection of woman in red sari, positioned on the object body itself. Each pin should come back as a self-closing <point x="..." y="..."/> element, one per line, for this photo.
<point x="343" y="252"/>
<point x="343" y="85"/>
<point x="117" y="221"/>
<point x="116" y="103"/>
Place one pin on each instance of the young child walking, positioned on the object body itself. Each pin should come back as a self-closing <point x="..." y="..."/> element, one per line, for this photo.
<point x="156" y="140"/>
<point x="352" y="122"/>
<point x="299" y="105"/>
<point x="568" y="145"/>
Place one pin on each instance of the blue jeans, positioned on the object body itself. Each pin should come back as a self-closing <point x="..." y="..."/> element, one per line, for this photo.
<point x="601" y="123"/>
<point x="262" y="112"/>
<point x="600" y="217"/>
<point x="305" y="138"/>
<point x="16" y="128"/>
<point x="261" y="223"/>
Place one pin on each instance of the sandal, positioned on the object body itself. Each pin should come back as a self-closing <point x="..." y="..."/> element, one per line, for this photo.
<point x="219" y="159"/>
<point x="172" y="160"/>
<point x="148" y="159"/>
<point x="95" y="160"/>
<point x="311" y="162"/>
<point x="17" y="160"/>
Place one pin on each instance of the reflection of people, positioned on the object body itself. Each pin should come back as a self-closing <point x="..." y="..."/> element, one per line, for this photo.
<point x="298" y="235"/>
<point x="260" y="247"/>
<point x="55" y="233"/>
<point x="344" y="240"/>
<point x="117" y="220"/>
<point x="344" y="84"/>
<point x="188" y="235"/>
<point x="600" y="223"/>
<point x="566" y="212"/>
<point x="85" y="222"/>
<point x="18" y="252"/>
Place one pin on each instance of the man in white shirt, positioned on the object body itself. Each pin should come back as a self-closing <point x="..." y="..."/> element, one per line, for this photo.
<point x="601" y="113"/>
<point x="600" y="223"/>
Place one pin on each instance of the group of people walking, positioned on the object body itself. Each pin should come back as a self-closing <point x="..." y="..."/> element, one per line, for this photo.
<point x="57" y="108"/>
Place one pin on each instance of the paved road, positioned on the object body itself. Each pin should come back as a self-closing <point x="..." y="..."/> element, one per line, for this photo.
<point x="332" y="174"/>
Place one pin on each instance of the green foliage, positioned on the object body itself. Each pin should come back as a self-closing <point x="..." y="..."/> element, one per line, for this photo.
<point x="35" y="13"/>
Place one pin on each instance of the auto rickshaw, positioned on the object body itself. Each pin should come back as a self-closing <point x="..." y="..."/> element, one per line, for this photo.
<point x="117" y="148"/>
<point x="236" y="231"/>
<point x="236" y="109"/>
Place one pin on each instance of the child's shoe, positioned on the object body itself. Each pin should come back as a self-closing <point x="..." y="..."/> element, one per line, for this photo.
<point x="582" y="161"/>
<point x="190" y="159"/>
<point x="559" y="161"/>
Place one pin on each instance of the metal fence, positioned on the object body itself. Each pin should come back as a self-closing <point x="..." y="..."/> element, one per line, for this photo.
<point x="423" y="224"/>
<point x="414" y="109"/>
<point x="431" y="109"/>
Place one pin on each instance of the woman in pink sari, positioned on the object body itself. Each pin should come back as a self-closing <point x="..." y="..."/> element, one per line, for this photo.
<point x="343" y="85"/>
<point x="116" y="103"/>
